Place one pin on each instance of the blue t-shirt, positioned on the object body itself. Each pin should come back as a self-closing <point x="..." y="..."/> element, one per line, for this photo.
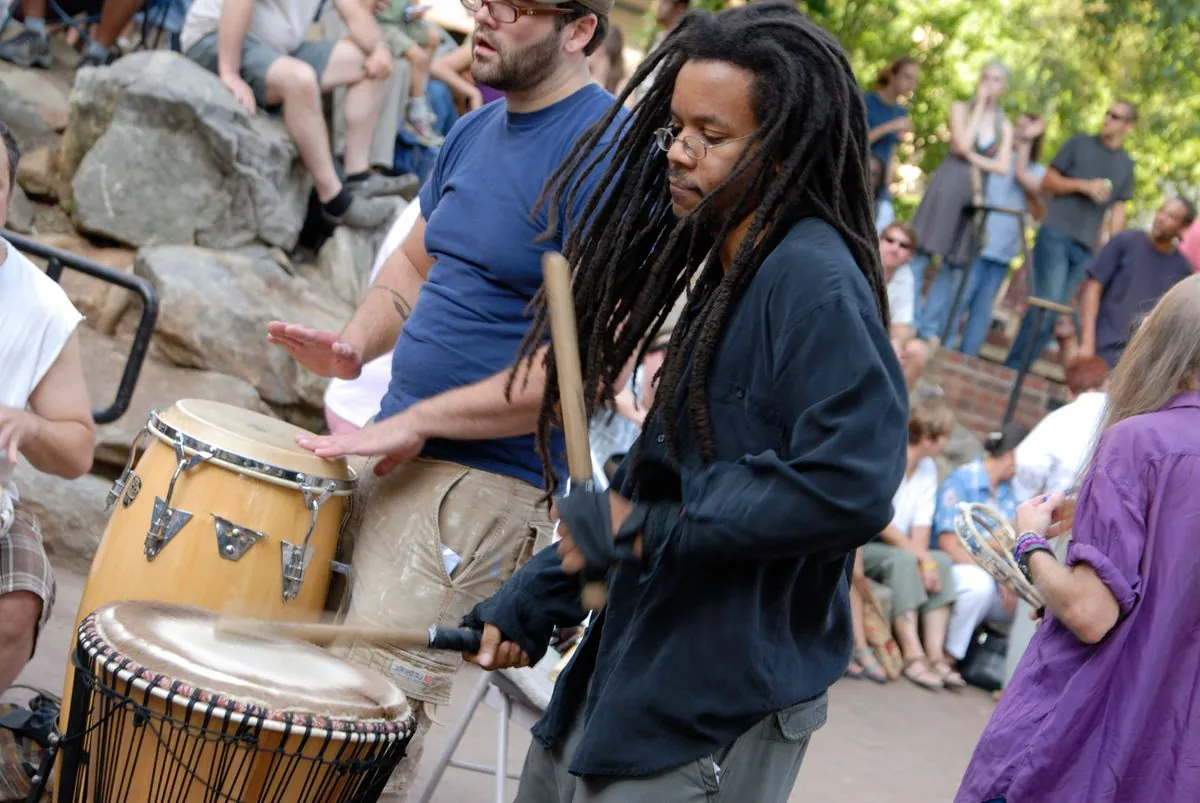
<point x="1003" y="232"/>
<point x="472" y="311"/>
<point x="969" y="483"/>
<point x="879" y="111"/>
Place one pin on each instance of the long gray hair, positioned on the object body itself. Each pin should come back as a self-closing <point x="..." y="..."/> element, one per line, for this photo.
<point x="1161" y="361"/>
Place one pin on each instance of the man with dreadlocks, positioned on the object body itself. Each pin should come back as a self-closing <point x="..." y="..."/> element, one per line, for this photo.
<point x="772" y="449"/>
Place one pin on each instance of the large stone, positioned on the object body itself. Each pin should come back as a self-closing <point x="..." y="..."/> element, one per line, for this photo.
<point x="158" y="152"/>
<point x="159" y="385"/>
<point x="38" y="174"/>
<point x="71" y="513"/>
<point x="101" y="302"/>
<point x="20" y="212"/>
<point x="344" y="263"/>
<point x="213" y="314"/>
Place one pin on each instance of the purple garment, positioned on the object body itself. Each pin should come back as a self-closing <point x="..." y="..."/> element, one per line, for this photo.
<point x="1119" y="720"/>
<point x="489" y="94"/>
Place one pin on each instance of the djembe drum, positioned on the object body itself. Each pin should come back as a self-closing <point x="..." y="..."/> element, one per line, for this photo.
<point x="167" y="709"/>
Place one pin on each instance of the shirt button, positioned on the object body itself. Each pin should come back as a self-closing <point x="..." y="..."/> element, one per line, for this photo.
<point x="661" y="438"/>
<point x="741" y="394"/>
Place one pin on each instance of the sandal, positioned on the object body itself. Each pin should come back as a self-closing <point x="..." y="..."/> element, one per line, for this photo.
<point x="918" y="671"/>
<point x="871" y="668"/>
<point x="950" y="678"/>
<point x="854" y="670"/>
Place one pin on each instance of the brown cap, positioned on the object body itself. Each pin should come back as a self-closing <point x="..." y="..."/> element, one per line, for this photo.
<point x="601" y="7"/>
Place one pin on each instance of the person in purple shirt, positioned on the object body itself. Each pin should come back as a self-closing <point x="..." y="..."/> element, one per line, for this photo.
<point x="1128" y="276"/>
<point x="1105" y="705"/>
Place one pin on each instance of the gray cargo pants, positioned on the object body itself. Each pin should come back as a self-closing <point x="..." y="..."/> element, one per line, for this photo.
<point x="760" y="766"/>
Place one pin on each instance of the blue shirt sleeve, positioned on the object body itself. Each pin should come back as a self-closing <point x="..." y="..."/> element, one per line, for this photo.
<point x="431" y="191"/>
<point x="949" y="495"/>
<point x="1110" y="260"/>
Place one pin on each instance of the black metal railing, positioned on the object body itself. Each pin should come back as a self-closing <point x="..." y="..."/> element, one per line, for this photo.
<point x="56" y="261"/>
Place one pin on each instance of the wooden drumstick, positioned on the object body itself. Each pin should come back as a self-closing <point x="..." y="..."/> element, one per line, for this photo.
<point x="322" y="634"/>
<point x="564" y="333"/>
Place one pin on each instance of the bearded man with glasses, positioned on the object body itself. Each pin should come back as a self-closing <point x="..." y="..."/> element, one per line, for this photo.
<point x="1091" y="175"/>
<point x="454" y="503"/>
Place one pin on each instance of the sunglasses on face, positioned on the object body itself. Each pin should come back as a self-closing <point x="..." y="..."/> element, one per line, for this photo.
<point x="1110" y="114"/>
<point x="904" y="244"/>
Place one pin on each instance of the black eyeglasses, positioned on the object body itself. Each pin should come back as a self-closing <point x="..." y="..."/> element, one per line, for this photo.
<point x="695" y="147"/>
<point x="507" y="13"/>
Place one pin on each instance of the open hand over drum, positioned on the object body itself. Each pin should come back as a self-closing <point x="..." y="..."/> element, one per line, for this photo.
<point x="395" y="439"/>
<point x="321" y="352"/>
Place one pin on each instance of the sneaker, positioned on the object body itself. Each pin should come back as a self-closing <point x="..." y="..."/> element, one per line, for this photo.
<point x="90" y="59"/>
<point x="364" y="213"/>
<point x="28" y="49"/>
<point x="376" y="185"/>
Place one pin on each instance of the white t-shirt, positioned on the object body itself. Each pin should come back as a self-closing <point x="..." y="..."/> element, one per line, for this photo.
<point x="357" y="400"/>
<point x="902" y="298"/>
<point x="36" y="320"/>
<point x="1052" y="455"/>
<point x="279" y="24"/>
<point x="916" y="498"/>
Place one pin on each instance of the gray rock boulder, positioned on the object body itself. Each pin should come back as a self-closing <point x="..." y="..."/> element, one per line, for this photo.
<point x="213" y="315"/>
<point x="158" y="152"/>
<point x="344" y="263"/>
<point x="159" y="386"/>
<point x="71" y="513"/>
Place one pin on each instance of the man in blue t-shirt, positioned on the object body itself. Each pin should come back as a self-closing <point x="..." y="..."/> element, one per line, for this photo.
<point x="453" y="506"/>
<point x="1128" y="277"/>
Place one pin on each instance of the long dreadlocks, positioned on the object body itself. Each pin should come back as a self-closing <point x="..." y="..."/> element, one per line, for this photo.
<point x="808" y="158"/>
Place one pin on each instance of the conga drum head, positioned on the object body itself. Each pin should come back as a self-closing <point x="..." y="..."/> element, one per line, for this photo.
<point x="259" y="438"/>
<point x="282" y="677"/>
<point x="167" y="709"/>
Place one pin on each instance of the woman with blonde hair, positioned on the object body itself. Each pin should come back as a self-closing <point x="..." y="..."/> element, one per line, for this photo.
<point x="1105" y="704"/>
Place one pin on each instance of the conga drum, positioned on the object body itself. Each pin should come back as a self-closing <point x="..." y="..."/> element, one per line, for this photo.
<point x="170" y="710"/>
<point x="224" y="511"/>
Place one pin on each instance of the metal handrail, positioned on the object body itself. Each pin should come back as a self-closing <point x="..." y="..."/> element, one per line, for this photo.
<point x="56" y="261"/>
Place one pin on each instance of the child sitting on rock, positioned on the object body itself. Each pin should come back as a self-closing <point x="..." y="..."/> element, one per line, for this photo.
<point x="408" y="36"/>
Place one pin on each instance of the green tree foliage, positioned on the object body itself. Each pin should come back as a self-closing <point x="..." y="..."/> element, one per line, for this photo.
<point x="1069" y="59"/>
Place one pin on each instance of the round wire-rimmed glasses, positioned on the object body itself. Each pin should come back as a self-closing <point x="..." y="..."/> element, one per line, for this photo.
<point x="507" y="13"/>
<point x="695" y="147"/>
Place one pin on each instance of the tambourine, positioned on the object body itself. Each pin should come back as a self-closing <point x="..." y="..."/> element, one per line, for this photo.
<point x="990" y="539"/>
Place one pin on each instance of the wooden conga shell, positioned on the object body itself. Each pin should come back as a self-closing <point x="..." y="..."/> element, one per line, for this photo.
<point x="192" y="568"/>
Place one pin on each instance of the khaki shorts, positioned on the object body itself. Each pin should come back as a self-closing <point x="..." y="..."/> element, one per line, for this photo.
<point x="399" y="527"/>
<point x="400" y="36"/>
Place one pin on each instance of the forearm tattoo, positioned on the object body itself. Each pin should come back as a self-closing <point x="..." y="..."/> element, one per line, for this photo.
<point x="398" y="301"/>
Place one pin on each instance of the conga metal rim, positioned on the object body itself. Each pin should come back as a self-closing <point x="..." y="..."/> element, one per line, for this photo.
<point x="242" y="464"/>
<point x="102" y="656"/>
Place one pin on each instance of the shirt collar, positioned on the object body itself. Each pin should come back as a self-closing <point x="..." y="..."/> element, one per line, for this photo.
<point x="1190" y="398"/>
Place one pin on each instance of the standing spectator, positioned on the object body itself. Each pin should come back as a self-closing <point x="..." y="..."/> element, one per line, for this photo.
<point x="901" y="559"/>
<point x="45" y="417"/>
<point x="607" y="64"/>
<point x="1130" y="274"/>
<point x="259" y="51"/>
<point x="987" y="481"/>
<point x="980" y="143"/>
<point x="887" y="121"/>
<point x="1090" y="175"/>
<point x="1003" y="239"/>
<point x="667" y="14"/>
<point x="410" y="37"/>
<point x="897" y="244"/>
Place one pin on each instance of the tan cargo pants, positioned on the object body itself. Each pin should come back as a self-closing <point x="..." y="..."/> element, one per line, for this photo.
<point x="401" y="525"/>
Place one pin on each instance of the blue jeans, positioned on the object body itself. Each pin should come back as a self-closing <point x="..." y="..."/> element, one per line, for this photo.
<point x="936" y="310"/>
<point x="978" y="301"/>
<point x="1059" y="262"/>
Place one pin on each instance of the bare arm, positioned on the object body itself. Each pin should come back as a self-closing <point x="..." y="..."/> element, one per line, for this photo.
<point x="480" y="411"/>
<point x="231" y="33"/>
<point x="1117" y="219"/>
<point x="901" y="331"/>
<point x="1089" y="309"/>
<point x="61" y="442"/>
<point x="360" y="24"/>
<point x="1055" y="183"/>
<point x="1030" y="182"/>
<point x="880" y="131"/>
<point x="964" y="126"/>
<point x="449" y="68"/>
<point x="1076" y="596"/>
<point x="949" y="543"/>
<point x="389" y="300"/>
<point x="999" y="164"/>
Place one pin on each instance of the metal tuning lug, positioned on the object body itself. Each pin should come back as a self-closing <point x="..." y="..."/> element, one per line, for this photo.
<point x="233" y="540"/>
<point x="118" y="486"/>
<point x="295" y="562"/>
<point x="166" y="521"/>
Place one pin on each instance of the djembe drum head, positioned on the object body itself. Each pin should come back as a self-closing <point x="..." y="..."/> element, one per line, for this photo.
<point x="166" y="708"/>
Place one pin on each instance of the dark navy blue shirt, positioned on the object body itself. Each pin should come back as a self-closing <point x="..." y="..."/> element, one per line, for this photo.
<point x="473" y="309"/>
<point x="1135" y="275"/>
<point x="743" y="608"/>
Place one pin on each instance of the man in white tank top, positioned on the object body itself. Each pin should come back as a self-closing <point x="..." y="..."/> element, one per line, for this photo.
<point x="45" y="417"/>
